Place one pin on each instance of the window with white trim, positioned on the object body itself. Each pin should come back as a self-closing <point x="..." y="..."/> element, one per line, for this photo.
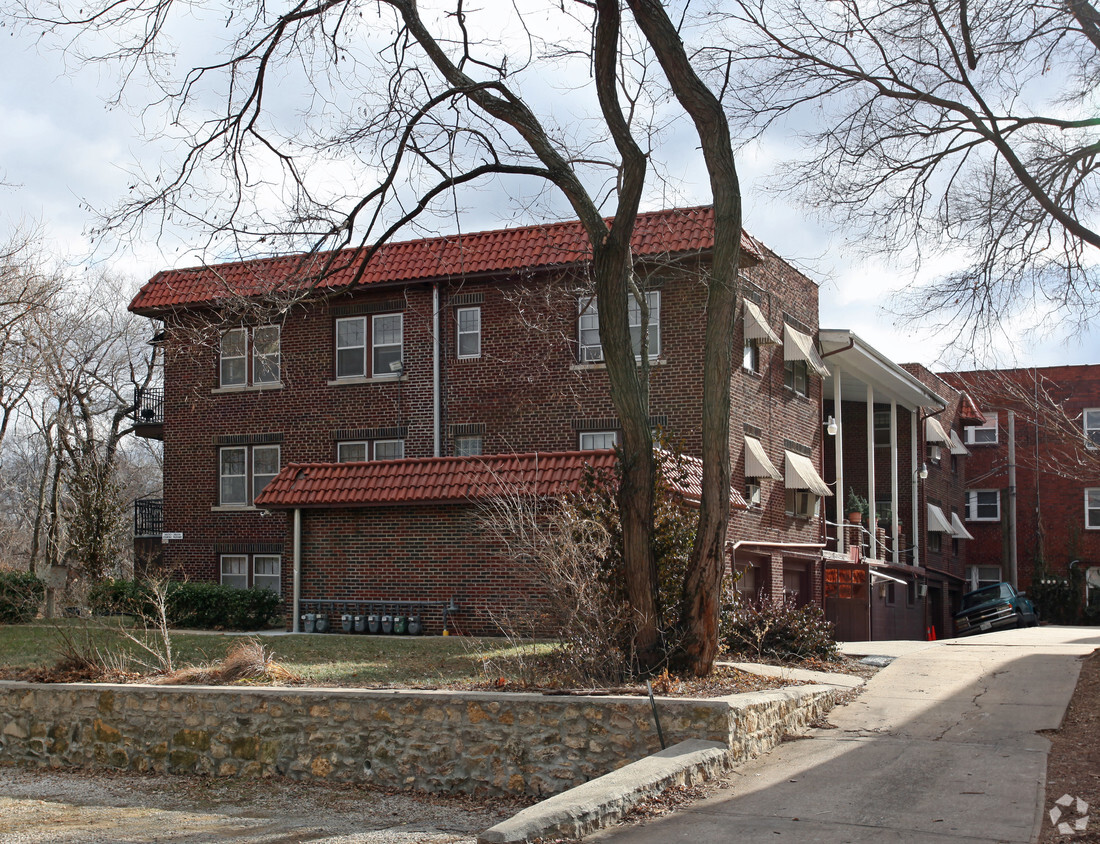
<point x="267" y="572"/>
<point x="752" y="492"/>
<point x="983" y="434"/>
<point x="802" y="504"/>
<point x="468" y="331"/>
<point x="597" y="440"/>
<point x="796" y="376"/>
<point x="235" y="570"/>
<point x="384" y="343"/>
<point x="1090" y="418"/>
<point x="751" y="360"/>
<point x="352" y="452"/>
<point x="249" y="357"/>
<point x="1092" y="508"/>
<point x="982" y="576"/>
<point x="245" y="469"/>
<point x="590" y="349"/>
<point x="983" y="505"/>
<point x="388" y="449"/>
<point x="361" y="451"/>
<point x="468" y="446"/>
<point x="882" y="428"/>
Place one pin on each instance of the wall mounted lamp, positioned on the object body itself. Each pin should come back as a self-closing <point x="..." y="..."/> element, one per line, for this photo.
<point x="830" y="426"/>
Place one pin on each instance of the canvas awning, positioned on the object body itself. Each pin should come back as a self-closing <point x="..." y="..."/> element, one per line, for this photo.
<point x="958" y="528"/>
<point x="957" y="446"/>
<point x="756" y="326"/>
<point x="757" y="464"/>
<point x="934" y="432"/>
<point x="799" y="346"/>
<point x="938" y="522"/>
<point x="801" y="474"/>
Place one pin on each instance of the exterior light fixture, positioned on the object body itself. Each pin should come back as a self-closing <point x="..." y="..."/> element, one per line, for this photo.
<point x="830" y="426"/>
<point x="923" y="473"/>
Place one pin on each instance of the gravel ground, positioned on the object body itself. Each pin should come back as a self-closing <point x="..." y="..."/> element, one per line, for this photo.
<point x="67" y="807"/>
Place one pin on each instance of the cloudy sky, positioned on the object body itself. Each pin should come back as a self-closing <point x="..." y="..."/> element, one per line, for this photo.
<point x="63" y="149"/>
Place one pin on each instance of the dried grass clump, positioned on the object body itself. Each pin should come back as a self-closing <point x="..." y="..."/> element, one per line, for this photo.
<point x="247" y="662"/>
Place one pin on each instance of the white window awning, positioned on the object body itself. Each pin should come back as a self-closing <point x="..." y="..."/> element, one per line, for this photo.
<point x="799" y="346"/>
<point x="801" y="474"/>
<point x="934" y="432"/>
<point x="878" y="577"/>
<point x="756" y="326"/>
<point x="938" y="522"/>
<point x="958" y="528"/>
<point x="957" y="446"/>
<point x="757" y="464"/>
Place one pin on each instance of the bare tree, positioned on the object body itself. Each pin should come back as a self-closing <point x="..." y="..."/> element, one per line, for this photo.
<point x="428" y="105"/>
<point x="958" y="128"/>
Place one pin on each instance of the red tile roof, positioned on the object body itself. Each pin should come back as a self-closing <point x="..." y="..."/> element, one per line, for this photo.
<point x="675" y="231"/>
<point x="434" y="480"/>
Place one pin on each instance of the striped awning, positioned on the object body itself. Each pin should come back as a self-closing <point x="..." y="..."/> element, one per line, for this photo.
<point x="757" y="464"/>
<point x="934" y="432"/>
<point x="799" y="346"/>
<point x="958" y="528"/>
<point x="957" y="446"/>
<point x="801" y="474"/>
<point x="938" y="522"/>
<point x="756" y="326"/>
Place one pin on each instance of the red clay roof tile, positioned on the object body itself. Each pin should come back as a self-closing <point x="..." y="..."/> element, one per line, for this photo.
<point x="675" y="231"/>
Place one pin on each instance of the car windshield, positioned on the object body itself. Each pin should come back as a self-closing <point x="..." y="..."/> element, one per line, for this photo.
<point x="990" y="593"/>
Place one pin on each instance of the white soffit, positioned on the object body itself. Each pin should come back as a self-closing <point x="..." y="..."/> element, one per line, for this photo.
<point x="934" y="432"/>
<point x="957" y="446"/>
<point x="861" y="365"/>
<point x="757" y="464"/>
<point x="958" y="528"/>
<point x="757" y="328"/>
<point x="801" y="474"/>
<point x="938" y="522"/>
<point x="799" y="346"/>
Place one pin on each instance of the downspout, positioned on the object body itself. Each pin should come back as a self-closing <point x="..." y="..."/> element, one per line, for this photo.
<point x="297" y="567"/>
<point x="1013" y="560"/>
<point x="436" y="408"/>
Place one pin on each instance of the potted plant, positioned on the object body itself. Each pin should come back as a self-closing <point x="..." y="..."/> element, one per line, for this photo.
<point x="885" y="518"/>
<point x="857" y="506"/>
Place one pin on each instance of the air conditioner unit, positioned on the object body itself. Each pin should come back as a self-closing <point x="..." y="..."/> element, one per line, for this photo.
<point x="805" y="504"/>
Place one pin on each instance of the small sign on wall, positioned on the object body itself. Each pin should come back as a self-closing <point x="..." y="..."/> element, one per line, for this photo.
<point x="171" y="535"/>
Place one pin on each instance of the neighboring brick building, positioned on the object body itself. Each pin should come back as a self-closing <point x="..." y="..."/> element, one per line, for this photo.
<point x="514" y="367"/>
<point x="1049" y="417"/>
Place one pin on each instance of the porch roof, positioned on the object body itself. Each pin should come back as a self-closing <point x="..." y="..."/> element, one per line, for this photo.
<point x="859" y="364"/>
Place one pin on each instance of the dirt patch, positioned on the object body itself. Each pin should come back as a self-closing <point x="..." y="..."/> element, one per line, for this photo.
<point x="1073" y="767"/>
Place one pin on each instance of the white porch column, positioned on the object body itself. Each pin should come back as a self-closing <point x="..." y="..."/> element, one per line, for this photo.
<point x="896" y="556"/>
<point x="838" y="451"/>
<point x="871" y="468"/>
<point x="915" y="476"/>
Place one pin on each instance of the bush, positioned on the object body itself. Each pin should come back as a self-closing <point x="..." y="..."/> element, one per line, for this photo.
<point x="781" y="631"/>
<point x="21" y="594"/>
<point x="119" y="597"/>
<point x="203" y="606"/>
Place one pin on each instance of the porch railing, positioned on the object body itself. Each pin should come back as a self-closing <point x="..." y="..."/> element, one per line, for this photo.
<point x="148" y="517"/>
<point x="149" y="406"/>
<point x="859" y="535"/>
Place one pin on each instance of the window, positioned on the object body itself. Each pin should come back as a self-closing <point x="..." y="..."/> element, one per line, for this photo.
<point x="802" y="504"/>
<point x="983" y="434"/>
<point x="235" y="570"/>
<point x="236" y="464"/>
<point x="596" y="440"/>
<point x="389" y="449"/>
<point x="983" y="505"/>
<point x="588" y="327"/>
<point x="935" y="542"/>
<point x="386" y="335"/>
<point x="751" y="361"/>
<point x="360" y="451"/>
<point x="954" y="546"/>
<point x="266" y="572"/>
<point x="935" y="454"/>
<point x="796" y="376"/>
<point x="468" y="446"/>
<point x="1091" y="421"/>
<point x="882" y="428"/>
<point x="468" y="342"/>
<point x="752" y="491"/>
<point x="1092" y="509"/>
<point x="352" y="452"/>
<point x="234" y="369"/>
<point x="891" y="593"/>
<point x="980" y="576"/>
<point x="910" y="592"/>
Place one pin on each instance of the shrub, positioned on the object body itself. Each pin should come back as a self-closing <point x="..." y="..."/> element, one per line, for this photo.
<point x="21" y="594"/>
<point x="204" y="606"/>
<point x="119" y="597"/>
<point x="782" y="631"/>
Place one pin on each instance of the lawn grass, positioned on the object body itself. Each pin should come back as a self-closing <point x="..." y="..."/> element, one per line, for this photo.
<point x="328" y="659"/>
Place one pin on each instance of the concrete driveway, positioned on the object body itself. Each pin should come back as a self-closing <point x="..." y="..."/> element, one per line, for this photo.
<point x="942" y="746"/>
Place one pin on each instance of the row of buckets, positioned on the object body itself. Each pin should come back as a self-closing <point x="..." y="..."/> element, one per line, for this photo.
<point x="374" y="623"/>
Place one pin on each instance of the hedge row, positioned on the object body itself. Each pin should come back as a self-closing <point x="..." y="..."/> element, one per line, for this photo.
<point x="203" y="606"/>
<point x="21" y="595"/>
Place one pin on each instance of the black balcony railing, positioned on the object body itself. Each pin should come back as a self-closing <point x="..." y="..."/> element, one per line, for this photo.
<point x="148" y="517"/>
<point x="149" y="406"/>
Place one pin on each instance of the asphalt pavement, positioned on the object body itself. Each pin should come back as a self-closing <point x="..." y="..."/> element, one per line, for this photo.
<point x="942" y="746"/>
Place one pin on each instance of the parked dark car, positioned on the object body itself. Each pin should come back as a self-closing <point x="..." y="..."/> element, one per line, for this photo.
<point x="994" y="608"/>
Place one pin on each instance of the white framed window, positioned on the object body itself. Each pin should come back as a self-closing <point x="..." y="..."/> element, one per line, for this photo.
<point x="389" y="449"/>
<point x="238" y="465"/>
<point x="1090" y="419"/>
<point x="235" y="570"/>
<point x="935" y="453"/>
<point x="751" y="360"/>
<point x="267" y="572"/>
<point x="983" y="505"/>
<point x="802" y="504"/>
<point x="796" y="376"/>
<point x="1092" y="508"/>
<point x="588" y="327"/>
<point x="469" y="446"/>
<point x="352" y="452"/>
<point x="981" y="576"/>
<point x="983" y="434"/>
<point x="752" y="491"/>
<point x="882" y="428"/>
<point x="249" y="357"/>
<point x="468" y="328"/>
<point x="386" y="342"/>
<point x="351" y="347"/>
<point x="598" y="440"/>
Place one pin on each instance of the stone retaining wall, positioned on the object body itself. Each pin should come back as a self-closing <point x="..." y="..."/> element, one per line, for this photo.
<point x="474" y="742"/>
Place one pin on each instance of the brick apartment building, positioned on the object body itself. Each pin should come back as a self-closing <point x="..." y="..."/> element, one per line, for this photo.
<point x="461" y="348"/>
<point x="1042" y="425"/>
